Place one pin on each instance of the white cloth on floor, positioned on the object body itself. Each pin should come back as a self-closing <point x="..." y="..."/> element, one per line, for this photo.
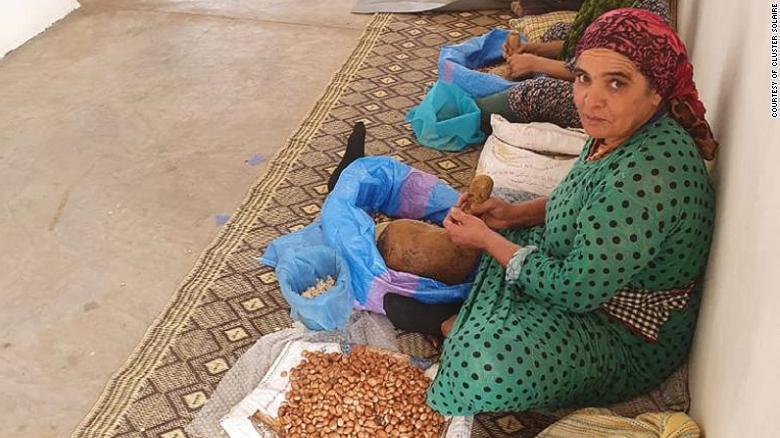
<point x="269" y="395"/>
<point x="246" y="374"/>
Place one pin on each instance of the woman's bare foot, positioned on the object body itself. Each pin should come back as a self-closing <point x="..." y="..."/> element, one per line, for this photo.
<point x="446" y="326"/>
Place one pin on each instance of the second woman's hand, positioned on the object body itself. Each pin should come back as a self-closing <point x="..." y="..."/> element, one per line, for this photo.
<point x="514" y="45"/>
<point x="523" y="64"/>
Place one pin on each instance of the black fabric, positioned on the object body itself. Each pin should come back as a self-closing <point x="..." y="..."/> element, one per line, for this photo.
<point x="356" y="148"/>
<point x="411" y="315"/>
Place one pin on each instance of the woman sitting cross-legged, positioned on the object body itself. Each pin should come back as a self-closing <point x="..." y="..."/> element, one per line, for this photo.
<point x="590" y="296"/>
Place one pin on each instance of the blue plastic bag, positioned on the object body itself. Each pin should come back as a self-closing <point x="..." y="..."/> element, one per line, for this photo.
<point x="299" y="270"/>
<point x="458" y="61"/>
<point x="447" y="119"/>
<point x="375" y="184"/>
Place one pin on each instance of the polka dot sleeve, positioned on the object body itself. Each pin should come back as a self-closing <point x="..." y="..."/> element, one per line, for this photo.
<point x="619" y="230"/>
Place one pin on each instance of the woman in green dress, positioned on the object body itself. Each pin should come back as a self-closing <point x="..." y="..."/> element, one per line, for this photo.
<point x="590" y="296"/>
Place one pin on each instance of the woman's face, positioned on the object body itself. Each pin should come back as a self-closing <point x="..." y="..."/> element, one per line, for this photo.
<point x="612" y="97"/>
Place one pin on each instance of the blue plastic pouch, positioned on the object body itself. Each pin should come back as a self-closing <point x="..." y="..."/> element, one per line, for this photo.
<point x="447" y="119"/>
<point x="375" y="184"/>
<point x="457" y="64"/>
<point x="300" y="269"/>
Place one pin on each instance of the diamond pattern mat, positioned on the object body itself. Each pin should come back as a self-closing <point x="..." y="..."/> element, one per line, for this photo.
<point x="229" y="301"/>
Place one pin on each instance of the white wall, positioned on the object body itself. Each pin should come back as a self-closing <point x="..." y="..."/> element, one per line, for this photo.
<point x="21" y="20"/>
<point x="735" y="367"/>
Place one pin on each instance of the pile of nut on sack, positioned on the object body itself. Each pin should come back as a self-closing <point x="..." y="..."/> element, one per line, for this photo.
<point x="339" y="390"/>
<point x="365" y="393"/>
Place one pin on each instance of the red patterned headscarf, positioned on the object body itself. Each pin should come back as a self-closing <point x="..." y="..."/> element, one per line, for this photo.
<point x="660" y="55"/>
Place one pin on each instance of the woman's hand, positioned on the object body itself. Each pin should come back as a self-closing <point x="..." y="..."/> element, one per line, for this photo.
<point x="513" y="46"/>
<point x="500" y="215"/>
<point x="466" y="230"/>
<point x="496" y="213"/>
<point x="524" y="64"/>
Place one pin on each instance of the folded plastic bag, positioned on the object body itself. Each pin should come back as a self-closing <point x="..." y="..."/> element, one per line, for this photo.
<point x="375" y="184"/>
<point x="447" y="119"/>
<point x="457" y="64"/>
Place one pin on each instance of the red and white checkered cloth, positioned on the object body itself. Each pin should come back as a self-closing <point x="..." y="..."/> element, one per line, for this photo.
<point x="643" y="311"/>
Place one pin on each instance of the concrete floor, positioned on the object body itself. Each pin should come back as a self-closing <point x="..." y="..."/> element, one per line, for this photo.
<point x="124" y="130"/>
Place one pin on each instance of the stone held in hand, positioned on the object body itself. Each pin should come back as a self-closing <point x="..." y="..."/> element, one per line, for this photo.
<point x="480" y="189"/>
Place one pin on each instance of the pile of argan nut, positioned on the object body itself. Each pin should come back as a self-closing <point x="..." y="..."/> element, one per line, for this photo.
<point x="364" y="394"/>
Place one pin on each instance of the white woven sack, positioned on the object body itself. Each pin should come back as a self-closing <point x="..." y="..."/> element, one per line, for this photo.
<point x="537" y="136"/>
<point x="529" y="157"/>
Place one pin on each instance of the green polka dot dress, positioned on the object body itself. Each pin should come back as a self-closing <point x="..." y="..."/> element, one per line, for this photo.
<point x="537" y="335"/>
